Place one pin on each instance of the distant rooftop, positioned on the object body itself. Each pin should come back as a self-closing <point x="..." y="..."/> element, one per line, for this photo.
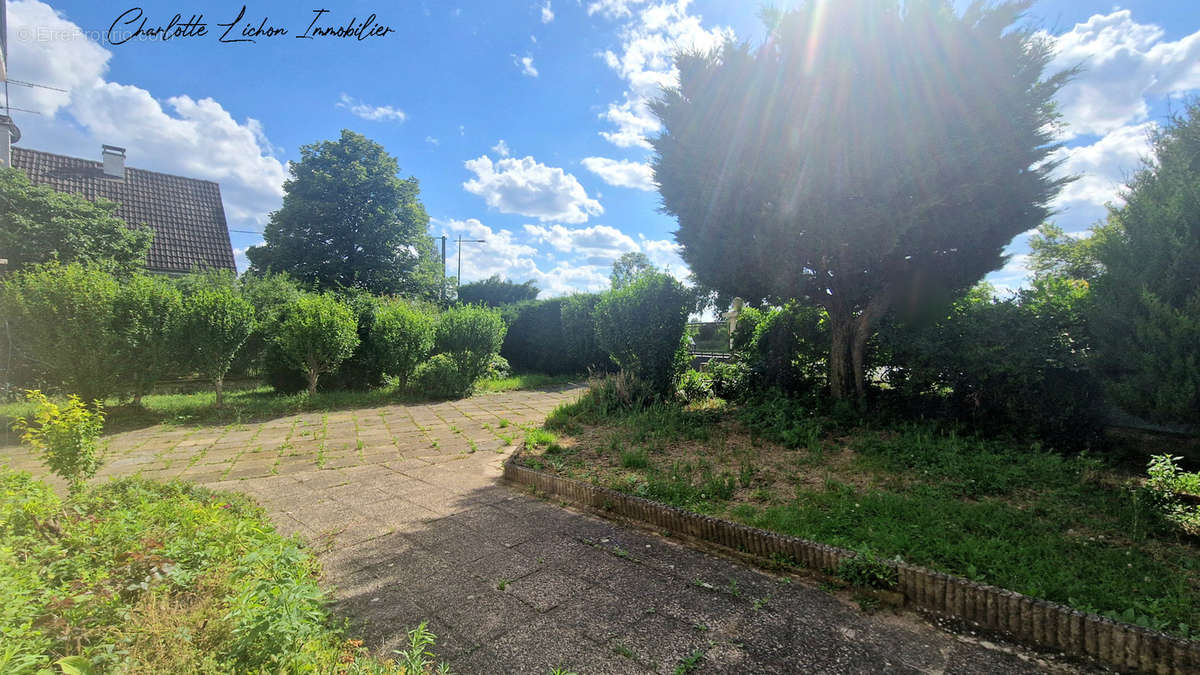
<point x="186" y="214"/>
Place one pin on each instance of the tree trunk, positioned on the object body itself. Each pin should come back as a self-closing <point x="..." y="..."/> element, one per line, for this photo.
<point x="312" y="381"/>
<point x="220" y="384"/>
<point x="840" y="331"/>
<point x="863" y="327"/>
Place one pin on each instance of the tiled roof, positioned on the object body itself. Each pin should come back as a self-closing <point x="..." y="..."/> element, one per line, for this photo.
<point x="185" y="213"/>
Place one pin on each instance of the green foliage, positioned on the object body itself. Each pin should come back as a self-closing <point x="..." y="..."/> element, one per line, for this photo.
<point x="860" y="208"/>
<point x="144" y="577"/>
<point x="579" y="333"/>
<point x="496" y="292"/>
<point x="607" y="396"/>
<point x="1147" y="308"/>
<point x="40" y="225"/>
<point x="695" y="386"/>
<point x="1168" y="484"/>
<point x="401" y="337"/>
<point x="1006" y="367"/>
<point x="269" y="294"/>
<point x="347" y="221"/>
<point x="730" y="379"/>
<point x="66" y="436"/>
<point x="630" y="266"/>
<point x="216" y="323"/>
<point x="472" y="336"/>
<point x="866" y="570"/>
<point x="146" y="314"/>
<point x="1055" y="254"/>
<point x="788" y="349"/>
<point x="60" y="320"/>
<point x="641" y="326"/>
<point x="536" y="339"/>
<point x="317" y="333"/>
<point x="442" y="376"/>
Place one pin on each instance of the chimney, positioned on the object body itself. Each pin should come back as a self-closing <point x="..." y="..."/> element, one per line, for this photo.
<point x="114" y="162"/>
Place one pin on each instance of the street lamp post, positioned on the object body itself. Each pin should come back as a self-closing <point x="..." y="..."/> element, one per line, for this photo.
<point x="461" y="241"/>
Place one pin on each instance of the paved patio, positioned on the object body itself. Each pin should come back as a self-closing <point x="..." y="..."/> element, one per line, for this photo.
<point x="404" y="506"/>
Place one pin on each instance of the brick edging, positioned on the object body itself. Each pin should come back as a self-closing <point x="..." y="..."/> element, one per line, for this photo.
<point x="1031" y="621"/>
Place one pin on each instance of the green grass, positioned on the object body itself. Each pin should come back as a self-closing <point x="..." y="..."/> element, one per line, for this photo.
<point x="526" y="381"/>
<point x="142" y="577"/>
<point x="1072" y="529"/>
<point x="255" y="404"/>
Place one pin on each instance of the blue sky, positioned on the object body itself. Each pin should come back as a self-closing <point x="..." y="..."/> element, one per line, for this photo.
<point x="524" y="121"/>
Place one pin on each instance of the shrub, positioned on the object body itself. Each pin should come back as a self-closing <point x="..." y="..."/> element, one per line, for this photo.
<point x="146" y="315"/>
<point x="498" y="369"/>
<point x="1167" y="483"/>
<point x="579" y="333"/>
<point x="695" y="386"/>
<point x="747" y="324"/>
<point x="269" y="294"/>
<point x="471" y="336"/>
<point x="1002" y="366"/>
<point x="788" y="348"/>
<point x="867" y="571"/>
<point x="442" y="376"/>
<point x="67" y="437"/>
<point x="317" y="333"/>
<point x="60" y="318"/>
<point x="535" y="340"/>
<point x="641" y="326"/>
<point x="401" y="337"/>
<point x="363" y="369"/>
<point x="728" y="378"/>
<point x="216" y="323"/>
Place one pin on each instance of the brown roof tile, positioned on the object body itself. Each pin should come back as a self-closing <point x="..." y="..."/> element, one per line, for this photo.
<point x="186" y="214"/>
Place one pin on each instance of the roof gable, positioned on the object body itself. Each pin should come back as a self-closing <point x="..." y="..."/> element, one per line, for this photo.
<point x="186" y="214"/>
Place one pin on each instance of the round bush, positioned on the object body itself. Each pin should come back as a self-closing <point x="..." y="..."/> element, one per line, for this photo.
<point x="471" y="336"/>
<point x="401" y="338"/>
<point x="642" y="325"/>
<point x="441" y="377"/>
<point x="317" y="334"/>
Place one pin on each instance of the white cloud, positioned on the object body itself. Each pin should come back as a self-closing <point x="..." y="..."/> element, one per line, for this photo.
<point x="547" y="13"/>
<point x="1125" y="62"/>
<point x="499" y="253"/>
<point x="622" y="173"/>
<point x="374" y="113"/>
<point x="1103" y="168"/>
<point x="530" y="188"/>
<point x="598" y="244"/>
<point x="179" y="135"/>
<point x="1012" y="276"/>
<point x="649" y="41"/>
<point x="501" y="148"/>
<point x="665" y="254"/>
<point x="525" y="63"/>
<point x="432" y="141"/>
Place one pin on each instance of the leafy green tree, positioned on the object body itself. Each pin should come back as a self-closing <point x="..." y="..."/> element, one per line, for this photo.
<point x="317" y="333"/>
<point x="39" y="224"/>
<point x="872" y="155"/>
<point x="60" y="320"/>
<point x="270" y="295"/>
<point x="470" y="335"/>
<point x="402" y="337"/>
<point x="347" y="220"/>
<point x="1147" y="301"/>
<point x="642" y="325"/>
<point x="630" y="266"/>
<point x="216" y="323"/>
<point x="146" y="315"/>
<point x="495" y="292"/>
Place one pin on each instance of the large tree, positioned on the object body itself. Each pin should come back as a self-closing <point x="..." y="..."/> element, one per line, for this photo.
<point x="495" y="292"/>
<point x="1146" y="314"/>
<point x="40" y="225"/>
<point x="869" y="154"/>
<point x="347" y="220"/>
<point x="629" y="267"/>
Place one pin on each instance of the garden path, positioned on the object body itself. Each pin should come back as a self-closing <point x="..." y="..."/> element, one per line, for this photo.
<point x="404" y="505"/>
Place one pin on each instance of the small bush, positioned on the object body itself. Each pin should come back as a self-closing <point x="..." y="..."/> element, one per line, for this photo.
<point x="788" y="349"/>
<point x="498" y="369"/>
<point x="216" y="322"/>
<point x="1167" y="484"/>
<point x="695" y="386"/>
<point x="642" y="326"/>
<point x="67" y="437"/>
<point x="401" y="336"/>
<point x="442" y="377"/>
<point x="146" y="315"/>
<point x="867" y="571"/>
<point x="60" y="318"/>
<point x="317" y="333"/>
<point x="269" y="294"/>
<point x="471" y="336"/>
<point x="729" y="378"/>
<point x="579" y="332"/>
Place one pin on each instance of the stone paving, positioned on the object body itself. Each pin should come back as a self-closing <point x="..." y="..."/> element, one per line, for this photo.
<point x="404" y="506"/>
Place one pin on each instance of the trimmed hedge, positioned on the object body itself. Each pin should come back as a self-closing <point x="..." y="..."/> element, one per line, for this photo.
<point x="642" y="327"/>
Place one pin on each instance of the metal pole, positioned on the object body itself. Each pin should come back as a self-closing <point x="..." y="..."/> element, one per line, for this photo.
<point x="458" y="279"/>
<point x="442" y="292"/>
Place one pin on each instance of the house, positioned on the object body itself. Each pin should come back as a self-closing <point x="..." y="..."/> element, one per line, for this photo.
<point x="186" y="214"/>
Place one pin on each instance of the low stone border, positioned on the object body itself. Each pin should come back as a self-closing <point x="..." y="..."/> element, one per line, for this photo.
<point x="1024" y="619"/>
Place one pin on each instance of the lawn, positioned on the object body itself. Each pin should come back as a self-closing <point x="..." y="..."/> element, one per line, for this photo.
<point x="140" y="577"/>
<point x="259" y="403"/>
<point x="1071" y="529"/>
